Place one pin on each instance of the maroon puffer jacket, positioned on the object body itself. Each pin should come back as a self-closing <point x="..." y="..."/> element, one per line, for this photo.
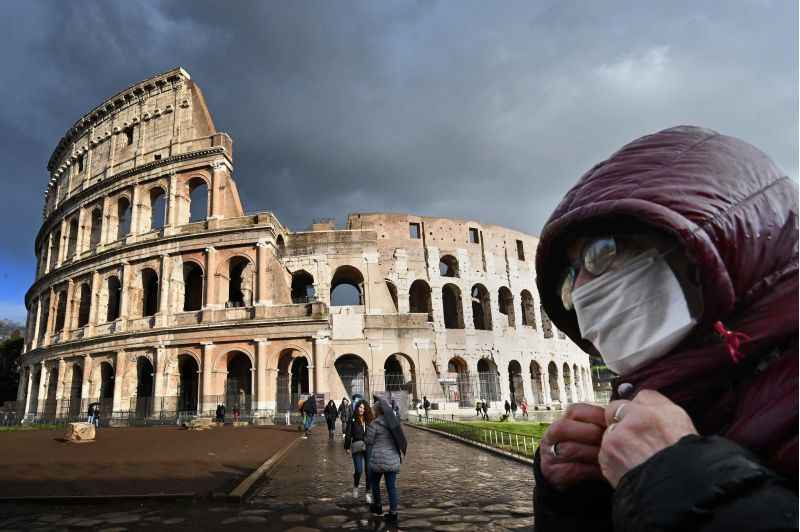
<point x="735" y="214"/>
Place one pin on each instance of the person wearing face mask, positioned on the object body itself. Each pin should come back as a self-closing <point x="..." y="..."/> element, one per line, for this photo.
<point x="676" y="261"/>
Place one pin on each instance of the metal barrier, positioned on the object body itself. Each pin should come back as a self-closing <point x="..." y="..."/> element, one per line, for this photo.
<point x="511" y="442"/>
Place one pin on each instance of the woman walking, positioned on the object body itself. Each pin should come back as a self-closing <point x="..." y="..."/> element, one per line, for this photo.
<point x="355" y="445"/>
<point x="385" y="442"/>
<point x="331" y="413"/>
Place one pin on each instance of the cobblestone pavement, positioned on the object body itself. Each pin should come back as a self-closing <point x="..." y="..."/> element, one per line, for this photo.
<point x="444" y="486"/>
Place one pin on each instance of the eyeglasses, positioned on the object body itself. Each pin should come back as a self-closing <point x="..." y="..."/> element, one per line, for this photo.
<point x="596" y="258"/>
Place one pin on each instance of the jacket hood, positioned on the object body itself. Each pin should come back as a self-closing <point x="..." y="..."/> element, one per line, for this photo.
<point x="723" y="201"/>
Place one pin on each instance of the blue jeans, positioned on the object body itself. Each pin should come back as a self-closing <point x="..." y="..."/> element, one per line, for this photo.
<point x="391" y="487"/>
<point x="359" y="467"/>
<point x="308" y="422"/>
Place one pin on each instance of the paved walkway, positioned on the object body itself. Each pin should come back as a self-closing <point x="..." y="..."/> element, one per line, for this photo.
<point x="444" y="486"/>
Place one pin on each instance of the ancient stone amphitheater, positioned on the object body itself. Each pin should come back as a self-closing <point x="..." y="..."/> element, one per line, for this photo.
<point x="157" y="296"/>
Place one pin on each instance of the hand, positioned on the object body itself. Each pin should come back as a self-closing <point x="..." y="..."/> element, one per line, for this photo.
<point x="578" y="434"/>
<point x="644" y="426"/>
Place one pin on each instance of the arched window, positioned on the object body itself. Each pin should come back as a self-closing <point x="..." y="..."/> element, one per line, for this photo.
<point x="144" y="387"/>
<point x="114" y="294"/>
<point x="240" y="283"/>
<point x="72" y="244"/>
<point x="55" y="246"/>
<point x="192" y="286"/>
<point x="448" y="266"/>
<point x="392" y="293"/>
<point x="547" y="325"/>
<point x="451" y="303"/>
<point x="505" y="301"/>
<point x="528" y="314"/>
<point x="149" y="292"/>
<point x="302" y="287"/>
<point x="515" y="385"/>
<point x="552" y="378"/>
<point x="419" y="298"/>
<point x="481" y="308"/>
<point x="239" y="382"/>
<point x="536" y="383"/>
<point x="158" y="208"/>
<point x="347" y="287"/>
<point x="198" y="199"/>
<point x="84" y="305"/>
<point x="123" y="218"/>
<point x="96" y="228"/>
<point x="489" y="379"/>
<point x="45" y="303"/>
<point x="61" y="311"/>
<point x="568" y="383"/>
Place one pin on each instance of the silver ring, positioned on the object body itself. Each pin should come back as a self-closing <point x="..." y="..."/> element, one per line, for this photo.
<point x="554" y="449"/>
<point x="618" y="414"/>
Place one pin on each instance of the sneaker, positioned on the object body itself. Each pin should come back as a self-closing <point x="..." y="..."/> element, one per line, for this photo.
<point x="355" y="493"/>
<point x="305" y="437"/>
<point x="391" y="517"/>
<point x="369" y="498"/>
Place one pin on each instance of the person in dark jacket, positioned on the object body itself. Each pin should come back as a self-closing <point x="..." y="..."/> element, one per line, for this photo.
<point x="309" y="410"/>
<point x="426" y="405"/>
<point x="695" y="233"/>
<point x="355" y="445"/>
<point x="331" y="413"/>
<point x="485" y="409"/>
<point x="508" y="408"/>
<point x="385" y="443"/>
<point x="345" y="412"/>
<point x="513" y="408"/>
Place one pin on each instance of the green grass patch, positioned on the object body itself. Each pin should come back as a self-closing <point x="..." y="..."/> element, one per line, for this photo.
<point x="18" y="428"/>
<point x="477" y="431"/>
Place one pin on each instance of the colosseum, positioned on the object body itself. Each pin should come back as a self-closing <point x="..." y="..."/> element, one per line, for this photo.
<point x="157" y="296"/>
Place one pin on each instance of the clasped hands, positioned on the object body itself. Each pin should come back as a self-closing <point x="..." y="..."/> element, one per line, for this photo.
<point x="593" y="443"/>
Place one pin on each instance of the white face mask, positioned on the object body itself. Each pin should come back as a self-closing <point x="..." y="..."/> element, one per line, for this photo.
<point x="635" y="314"/>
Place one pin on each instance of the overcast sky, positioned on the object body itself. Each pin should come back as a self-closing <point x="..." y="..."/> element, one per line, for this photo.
<point x="484" y="110"/>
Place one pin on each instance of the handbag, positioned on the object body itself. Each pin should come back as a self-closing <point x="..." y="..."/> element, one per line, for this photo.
<point x="358" y="447"/>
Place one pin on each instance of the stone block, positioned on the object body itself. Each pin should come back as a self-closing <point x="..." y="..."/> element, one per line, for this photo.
<point x="199" y="423"/>
<point x="81" y="432"/>
<point x="240" y="423"/>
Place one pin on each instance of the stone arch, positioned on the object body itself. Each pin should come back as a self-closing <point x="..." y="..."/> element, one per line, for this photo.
<point x="111" y="296"/>
<point x="238" y="381"/>
<point x="347" y="286"/>
<point x="188" y="380"/>
<point x="197" y="194"/>
<point x="354" y="374"/>
<point x="505" y="301"/>
<point x="95" y="227"/>
<point x="238" y="275"/>
<point x="481" y="308"/>
<point x="489" y="379"/>
<point x="55" y="247"/>
<point x="61" y="310"/>
<point x="552" y="379"/>
<point x="193" y="285"/>
<point x="33" y="398"/>
<point x="547" y="325"/>
<point x="458" y="369"/>
<point x="515" y="386"/>
<point x="84" y="304"/>
<point x="123" y="212"/>
<point x="451" y="305"/>
<point x="75" y="389"/>
<point x="527" y="308"/>
<point x="294" y="378"/>
<point x="142" y="400"/>
<point x="399" y="373"/>
<point x="51" y="394"/>
<point x="154" y="213"/>
<point x="302" y="287"/>
<point x="419" y="298"/>
<point x="72" y="242"/>
<point x="568" y="383"/>
<point x="147" y="303"/>
<point x="448" y="266"/>
<point x="536" y="383"/>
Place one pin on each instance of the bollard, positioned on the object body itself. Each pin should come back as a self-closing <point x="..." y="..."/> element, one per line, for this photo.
<point x="516" y="441"/>
<point x="525" y="445"/>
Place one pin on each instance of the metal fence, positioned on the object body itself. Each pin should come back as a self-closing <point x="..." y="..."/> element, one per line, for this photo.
<point x="511" y="442"/>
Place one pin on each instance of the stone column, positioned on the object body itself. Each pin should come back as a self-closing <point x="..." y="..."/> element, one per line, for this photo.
<point x="119" y="380"/>
<point x="47" y="253"/>
<point x="211" y="278"/>
<point x="527" y="389"/>
<point x="546" y="392"/>
<point x="505" y="386"/>
<point x="44" y="378"/>
<point x="205" y="383"/>
<point x="51" y="303"/>
<point x="159" y="379"/>
<point x="105" y="221"/>
<point x="562" y="387"/>
<point x="81" y="232"/>
<point x="62" y="245"/>
<point x="68" y="310"/>
<point x="37" y="323"/>
<point x="217" y="186"/>
<point x="93" y="310"/>
<point x="163" y="297"/>
<point x="22" y="389"/>
<point x="60" y="386"/>
<point x="135" y="212"/>
<point x="172" y="214"/>
<point x="124" y="304"/>
<point x="86" y="384"/>
<point x="261" y="274"/>
<point x="28" y="391"/>
<point x="261" y="374"/>
<point x="321" y="348"/>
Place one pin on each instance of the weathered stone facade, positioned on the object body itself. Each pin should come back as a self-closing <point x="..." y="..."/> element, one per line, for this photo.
<point x="156" y="292"/>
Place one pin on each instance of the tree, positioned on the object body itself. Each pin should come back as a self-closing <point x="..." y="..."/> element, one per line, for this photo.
<point x="10" y="357"/>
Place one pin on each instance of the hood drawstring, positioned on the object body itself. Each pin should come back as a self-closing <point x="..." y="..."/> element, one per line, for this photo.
<point x="732" y="339"/>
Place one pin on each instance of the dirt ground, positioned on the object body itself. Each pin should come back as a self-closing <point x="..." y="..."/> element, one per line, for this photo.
<point x="135" y="460"/>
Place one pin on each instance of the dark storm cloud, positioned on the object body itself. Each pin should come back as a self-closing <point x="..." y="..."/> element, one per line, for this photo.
<point x="480" y="110"/>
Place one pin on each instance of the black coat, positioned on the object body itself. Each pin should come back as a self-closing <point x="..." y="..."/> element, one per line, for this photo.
<point x="310" y="406"/>
<point x="354" y="432"/>
<point x="331" y="411"/>
<point x="700" y="484"/>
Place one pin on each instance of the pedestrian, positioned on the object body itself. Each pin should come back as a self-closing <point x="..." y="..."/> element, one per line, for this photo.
<point x="221" y="413"/>
<point x="236" y="414"/>
<point x="676" y="261"/>
<point x="426" y="405"/>
<point x="331" y="414"/>
<point x="355" y="445"/>
<point x="485" y="409"/>
<point x="309" y="410"/>
<point x="386" y="444"/>
<point x="523" y="405"/>
<point x="395" y="408"/>
<point x="94" y="414"/>
<point x="513" y="408"/>
<point x="345" y="412"/>
<point x="508" y="409"/>
<point x="478" y="408"/>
